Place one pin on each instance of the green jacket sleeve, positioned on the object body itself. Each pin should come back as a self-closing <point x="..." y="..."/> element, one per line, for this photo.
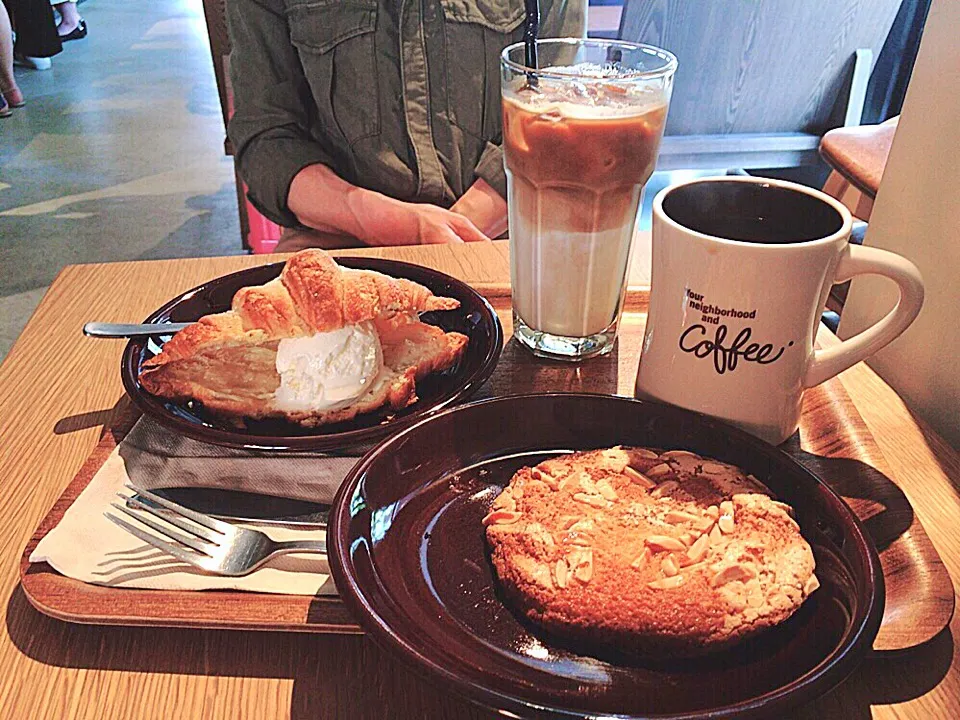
<point x="270" y="124"/>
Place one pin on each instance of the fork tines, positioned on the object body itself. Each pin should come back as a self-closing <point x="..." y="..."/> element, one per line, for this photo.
<point x="201" y="534"/>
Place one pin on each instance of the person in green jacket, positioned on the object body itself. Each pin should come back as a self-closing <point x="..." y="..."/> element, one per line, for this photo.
<point x="376" y="122"/>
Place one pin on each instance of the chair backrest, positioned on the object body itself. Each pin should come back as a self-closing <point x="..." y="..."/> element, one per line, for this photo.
<point x="215" y="13"/>
<point x="762" y="67"/>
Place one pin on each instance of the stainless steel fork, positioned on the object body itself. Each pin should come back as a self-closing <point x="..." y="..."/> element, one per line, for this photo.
<point x="209" y="544"/>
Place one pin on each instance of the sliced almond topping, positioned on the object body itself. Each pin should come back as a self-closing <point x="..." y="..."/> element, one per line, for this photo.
<point x="549" y="480"/>
<point x="779" y="600"/>
<point x="703" y="524"/>
<point x="538" y="572"/>
<point x="596" y="501"/>
<point x="582" y="525"/>
<point x="587" y="484"/>
<point x="726" y="507"/>
<point x="584" y="570"/>
<point x="667" y="583"/>
<point x="643" y="453"/>
<point x="755" y="599"/>
<point x="734" y="598"/>
<point x="638" y="477"/>
<point x="698" y="550"/>
<point x="810" y="585"/>
<point x="713" y="511"/>
<point x="560" y="573"/>
<point x="715" y="535"/>
<point x="786" y="508"/>
<point x="606" y="489"/>
<point x="712" y="468"/>
<point x="679" y="516"/>
<point x="671" y="454"/>
<point x="660" y="543"/>
<point x="669" y="566"/>
<point x="566" y="481"/>
<point x="725" y="523"/>
<point x="541" y="575"/>
<point x="642" y="559"/>
<point x="658" y="471"/>
<point x="664" y="487"/>
<point x="687" y="539"/>
<point x="579" y="539"/>
<point x="568" y="521"/>
<point x="501" y="517"/>
<point x="731" y="573"/>
<point x="505" y="501"/>
<point x="539" y="532"/>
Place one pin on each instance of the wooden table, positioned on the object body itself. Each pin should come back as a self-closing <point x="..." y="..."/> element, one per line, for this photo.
<point x="57" y="390"/>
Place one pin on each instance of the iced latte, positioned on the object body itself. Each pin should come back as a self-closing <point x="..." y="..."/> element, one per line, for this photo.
<point x="580" y="141"/>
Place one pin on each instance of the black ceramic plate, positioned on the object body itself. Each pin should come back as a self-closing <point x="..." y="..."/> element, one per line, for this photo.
<point x="474" y="318"/>
<point x="409" y="558"/>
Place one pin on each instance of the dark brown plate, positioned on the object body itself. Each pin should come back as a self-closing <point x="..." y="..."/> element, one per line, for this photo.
<point x="475" y="318"/>
<point x="409" y="559"/>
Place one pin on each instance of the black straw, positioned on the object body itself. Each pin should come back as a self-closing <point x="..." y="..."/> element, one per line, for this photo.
<point x="530" y="33"/>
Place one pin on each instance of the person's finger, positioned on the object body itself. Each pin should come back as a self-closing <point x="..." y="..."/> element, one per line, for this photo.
<point x="467" y="230"/>
<point x="439" y="235"/>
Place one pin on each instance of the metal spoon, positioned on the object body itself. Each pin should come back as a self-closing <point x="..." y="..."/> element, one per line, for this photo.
<point x="128" y="330"/>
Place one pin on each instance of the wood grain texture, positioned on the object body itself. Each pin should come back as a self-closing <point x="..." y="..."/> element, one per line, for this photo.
<point x="58" y="389"/>
<point x="759" y="66"/>
<point x="833" y="441"/>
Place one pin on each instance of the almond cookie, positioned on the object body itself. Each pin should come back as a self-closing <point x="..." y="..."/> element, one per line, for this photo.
<point x="644" y="551"/>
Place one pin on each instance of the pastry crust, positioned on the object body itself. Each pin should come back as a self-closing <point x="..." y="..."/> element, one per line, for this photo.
<point x="227" y="361"/>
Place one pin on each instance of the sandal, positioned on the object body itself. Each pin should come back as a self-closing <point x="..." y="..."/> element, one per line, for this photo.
<point x="5" y="110"/>
<point x="78" y="33"/>
<point x="13" y="97"/>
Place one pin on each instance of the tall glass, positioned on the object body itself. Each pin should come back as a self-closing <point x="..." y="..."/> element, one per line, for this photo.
<point x="580" y="140"/>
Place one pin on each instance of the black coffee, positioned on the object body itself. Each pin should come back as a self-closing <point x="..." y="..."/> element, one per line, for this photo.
<point x="751" y="212"/>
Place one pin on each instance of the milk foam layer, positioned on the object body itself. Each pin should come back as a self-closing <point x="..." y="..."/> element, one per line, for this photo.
<point x="328" y="370"/>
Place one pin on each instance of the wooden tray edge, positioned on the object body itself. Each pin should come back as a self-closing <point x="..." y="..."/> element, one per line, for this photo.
<point x="35" y="576"/>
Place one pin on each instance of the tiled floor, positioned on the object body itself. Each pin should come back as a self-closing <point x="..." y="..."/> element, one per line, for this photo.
<point x="118" y="154"/>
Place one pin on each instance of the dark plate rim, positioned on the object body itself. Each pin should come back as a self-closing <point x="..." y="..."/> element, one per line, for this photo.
<point x="343" y="441"/>
<point x="833" y="670"/>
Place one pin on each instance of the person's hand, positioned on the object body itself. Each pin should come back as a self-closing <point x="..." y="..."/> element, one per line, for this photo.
<point x="323" y="201"/>
<point x="423" y="224"/>
<point x="484" y="207"/>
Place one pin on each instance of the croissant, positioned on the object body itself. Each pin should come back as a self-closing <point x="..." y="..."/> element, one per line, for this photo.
<point x="228" y="361"/>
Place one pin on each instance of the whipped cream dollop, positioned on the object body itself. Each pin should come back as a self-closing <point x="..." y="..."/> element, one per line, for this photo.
<point x="328" y="370"/>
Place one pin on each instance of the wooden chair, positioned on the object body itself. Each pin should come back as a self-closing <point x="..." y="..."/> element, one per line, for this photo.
<point x="259" y="234"/>
<point x="857" y="157"/>
<point x="760" y="81"/>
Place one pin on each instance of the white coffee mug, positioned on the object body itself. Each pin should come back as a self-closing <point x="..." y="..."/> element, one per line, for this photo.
<point x="742" y="267"/>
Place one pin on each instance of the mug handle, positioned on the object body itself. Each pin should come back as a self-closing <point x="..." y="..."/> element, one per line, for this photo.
<point x="859" y="260"/>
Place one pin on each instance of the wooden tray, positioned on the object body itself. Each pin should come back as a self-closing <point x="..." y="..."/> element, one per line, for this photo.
<point x="833" y="442"/>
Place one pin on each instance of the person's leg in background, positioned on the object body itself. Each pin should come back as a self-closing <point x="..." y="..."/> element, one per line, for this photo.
<point x="37" y="39"/>
<point x="72" y="26"/>
<point x="10" y="95"/>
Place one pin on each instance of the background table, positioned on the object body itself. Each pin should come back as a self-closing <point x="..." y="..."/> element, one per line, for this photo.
<point x="57" y="390"/>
